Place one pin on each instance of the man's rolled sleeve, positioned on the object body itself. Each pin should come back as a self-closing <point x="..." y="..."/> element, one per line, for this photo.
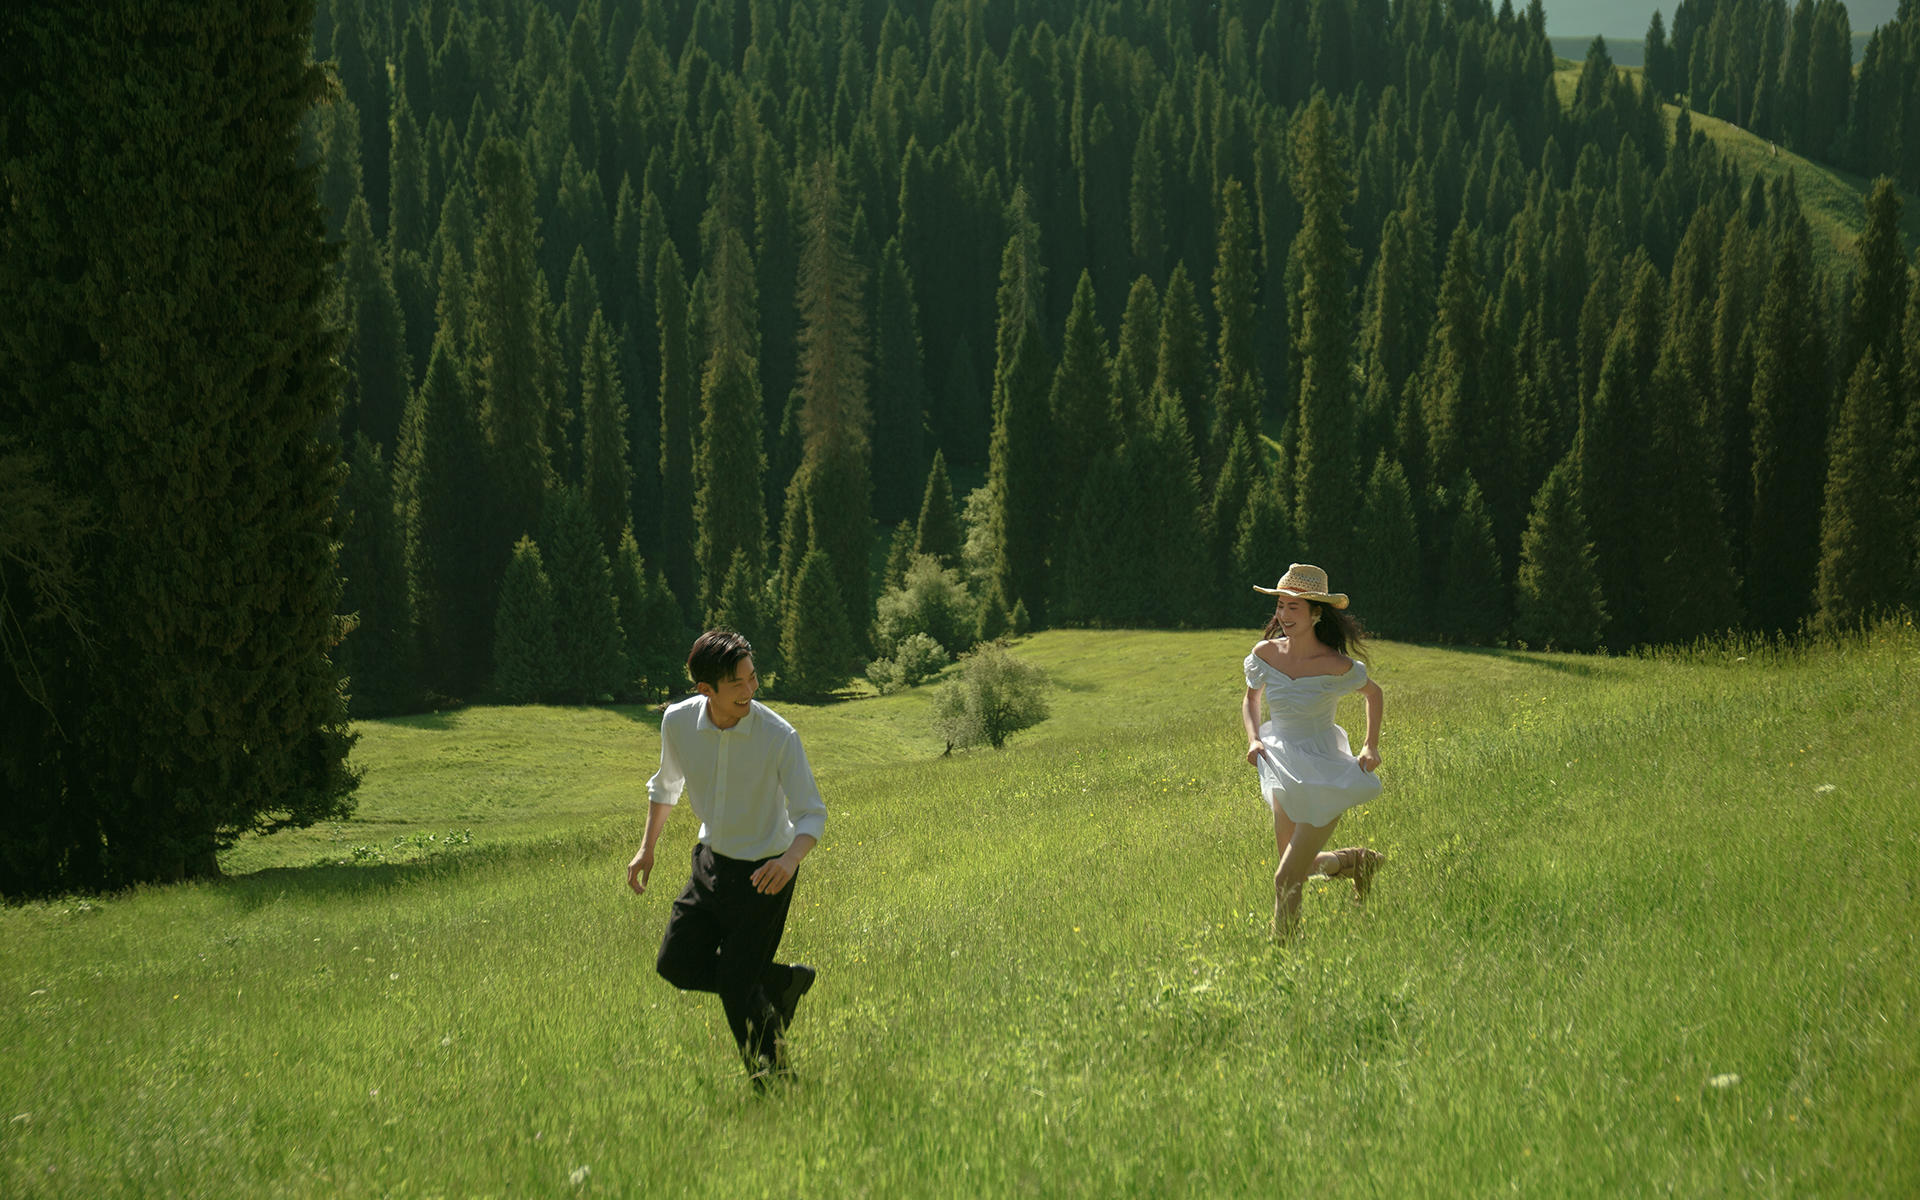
<point x="670" y="780"/>
<point x="805" y="808"/>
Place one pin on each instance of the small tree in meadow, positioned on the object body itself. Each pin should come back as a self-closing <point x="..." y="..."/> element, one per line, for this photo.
<point x="994" y="696"/>
<point x="933" y="600"/>
<point x="916" y="658"/>
<point x="814" y="645"/>
<point x="1558" y="597"/>
<point x="523" y="645"/>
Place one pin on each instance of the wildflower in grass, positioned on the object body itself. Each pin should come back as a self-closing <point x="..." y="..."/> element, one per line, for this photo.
<point x="1724" y="1081"/>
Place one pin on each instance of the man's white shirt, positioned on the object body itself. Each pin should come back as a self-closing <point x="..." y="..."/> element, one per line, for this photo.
<point x="750" y="785"/>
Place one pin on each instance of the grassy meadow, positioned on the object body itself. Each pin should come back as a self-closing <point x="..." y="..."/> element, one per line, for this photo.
<point x="1647" y="925"/>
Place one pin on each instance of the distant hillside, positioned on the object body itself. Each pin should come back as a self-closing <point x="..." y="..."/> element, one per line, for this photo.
<point x="1583" y="18"/>
<point x="1631" y="51"/>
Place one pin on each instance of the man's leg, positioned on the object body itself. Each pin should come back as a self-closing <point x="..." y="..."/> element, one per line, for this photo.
<point x="746" y="976"/>
<point x="695" y="928"/>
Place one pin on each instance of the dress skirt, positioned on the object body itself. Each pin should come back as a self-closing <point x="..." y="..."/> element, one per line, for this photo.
<point x="1312" y="775"/>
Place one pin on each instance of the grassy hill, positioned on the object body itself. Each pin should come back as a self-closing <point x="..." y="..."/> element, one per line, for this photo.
<point x="1647" y="925"/>
<point x="1833" y="200"/>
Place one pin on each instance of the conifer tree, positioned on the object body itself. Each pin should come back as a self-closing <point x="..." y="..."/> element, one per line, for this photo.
<point x="1265" y="532"/>
<point x="676" y="400"/>
<point x="1168" y="529"/>
<point x="1180" y="369"/>
<point x="377" y="657"/>
<point x="1226" y="515"/>
<point x="1879" y="302"/>
<point x="1458" y="419"/>
<point x="1788" y="423"/>
<point x="742" y="609"/>
<point x="1095" y="576"/>
<point x="814" y="642"/>
<point x="606" y="477"/>
<point x="1609" y="447"/>
<point x="728" y="501"/>
<point x="516" y="359"/>
<point x="588" y="644"/>
<point x="161" y="217"/>
<point x="1559" y="604"/>
<point x="899" y="389"/>
<point x="379" y="375"/>
<point x="409" y="219"/>
<point x="1020" y="452"/>
<point x="1473" y="596"/>
<point x="1677" y="530"/>
<point x="630" y="610"/>
<point x="1081" y="402"/>
<point x="1386" y="556"/>
<point x="1238" y="389"/>
<point x="1321" y="258"/>
<point x="523" y="632"/>
<point x="938" y="532"/>
<point x="445" y="507"/>
<point x="834" y="414"/>
<point x="1863" y="568"/>
<point x="899" y="557"/>
<point x="1136" y="360"/>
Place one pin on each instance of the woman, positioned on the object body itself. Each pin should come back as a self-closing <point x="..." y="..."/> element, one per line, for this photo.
<point x="1308" y="772"/>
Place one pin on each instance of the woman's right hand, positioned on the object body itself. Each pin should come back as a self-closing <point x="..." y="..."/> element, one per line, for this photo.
<point x="1255" y="752"/>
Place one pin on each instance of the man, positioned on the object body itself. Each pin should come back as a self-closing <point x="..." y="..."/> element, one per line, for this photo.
<point x="742" y="768"/>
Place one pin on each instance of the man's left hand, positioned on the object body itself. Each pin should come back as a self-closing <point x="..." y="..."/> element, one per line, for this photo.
<point x="774" y="874"/>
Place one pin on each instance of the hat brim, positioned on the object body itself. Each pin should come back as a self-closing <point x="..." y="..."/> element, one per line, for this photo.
<point x="1337" y="599"/>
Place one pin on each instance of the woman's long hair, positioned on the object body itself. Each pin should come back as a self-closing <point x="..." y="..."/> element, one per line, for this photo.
<point x="1339" y="630"/>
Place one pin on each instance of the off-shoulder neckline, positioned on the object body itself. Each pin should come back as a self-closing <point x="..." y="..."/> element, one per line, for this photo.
<point x="1352" y="665"/>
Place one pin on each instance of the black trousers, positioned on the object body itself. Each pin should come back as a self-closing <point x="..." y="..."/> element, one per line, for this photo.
<point x="720" y="938"/>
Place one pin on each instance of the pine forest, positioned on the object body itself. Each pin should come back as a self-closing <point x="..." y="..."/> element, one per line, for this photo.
<point x="878" y="329"/>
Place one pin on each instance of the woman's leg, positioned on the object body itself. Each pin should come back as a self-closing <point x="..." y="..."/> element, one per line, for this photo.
<point x="1300" y="857"/>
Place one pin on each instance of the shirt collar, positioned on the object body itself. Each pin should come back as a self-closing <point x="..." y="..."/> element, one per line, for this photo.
<point x="743" y="725"/>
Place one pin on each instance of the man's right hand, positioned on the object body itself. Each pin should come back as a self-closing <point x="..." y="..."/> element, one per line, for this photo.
<point x="639" y="869"/>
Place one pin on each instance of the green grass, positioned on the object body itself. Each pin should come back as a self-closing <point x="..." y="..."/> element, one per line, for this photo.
<point x="1045" y="970"/>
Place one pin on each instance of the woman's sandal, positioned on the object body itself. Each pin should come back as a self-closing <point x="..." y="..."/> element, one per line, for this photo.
<point x="1358" y="864"/>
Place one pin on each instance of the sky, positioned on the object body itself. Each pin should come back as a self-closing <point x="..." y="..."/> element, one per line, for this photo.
<point x="1628" y="18"/>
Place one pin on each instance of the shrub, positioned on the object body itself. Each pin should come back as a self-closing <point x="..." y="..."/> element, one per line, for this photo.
<point x="918" y="657"/>
<point x="932" y="600"/>
<point x="994" y="696"/>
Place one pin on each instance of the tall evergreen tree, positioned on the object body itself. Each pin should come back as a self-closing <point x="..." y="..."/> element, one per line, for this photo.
<point x="377" y="657"/>
<point x="834" y="414"/>
<point x="1862" y="571"/>
<point x="162" y="168"/>
<point x="1324" y="469"/>
<point x="1020" y="452"/>
<point x="1180" y="369"/>
<point x="1558" y="601"/>
<point x="1136" y="359"/>
<point x="1879" y="303"/>
<point x="814" y="641"/>
<point x="728" y="501"/>
<point x="517" y="362"/>
<point x="1239" y="391"/>
<point x="524" y="649"/>
<point x="1081" y="401"/>
<point x="379" y="375"/>
<point x="938" y="532"/>
<point x="1788" y="423"/>
<point x="676" y="400"/>
<point x="606" y="477"/>
<point x="899" y="389"/>
<point x="1472" y="601"/>
<point x="446" y="514"/>
<point x="589" y="648"/>
<point x="1386" y="556"/>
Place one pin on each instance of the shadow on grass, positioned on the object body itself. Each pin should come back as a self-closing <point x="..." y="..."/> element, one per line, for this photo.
<point x="331" y="880"/>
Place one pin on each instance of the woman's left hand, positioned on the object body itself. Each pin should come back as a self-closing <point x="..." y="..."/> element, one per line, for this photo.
<point x="1369" y="759"/>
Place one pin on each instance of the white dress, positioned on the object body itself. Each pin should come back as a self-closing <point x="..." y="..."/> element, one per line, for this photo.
<point x="1309" y="769"/>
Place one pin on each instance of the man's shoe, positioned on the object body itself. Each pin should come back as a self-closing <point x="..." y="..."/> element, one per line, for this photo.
<point x="803" y="977"/>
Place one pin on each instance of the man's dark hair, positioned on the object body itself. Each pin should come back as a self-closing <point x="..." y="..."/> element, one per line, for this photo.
<point x="716" y="654"/>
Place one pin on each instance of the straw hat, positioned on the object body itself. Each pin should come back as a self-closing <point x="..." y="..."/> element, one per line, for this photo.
<point x="1308" y="583"/>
